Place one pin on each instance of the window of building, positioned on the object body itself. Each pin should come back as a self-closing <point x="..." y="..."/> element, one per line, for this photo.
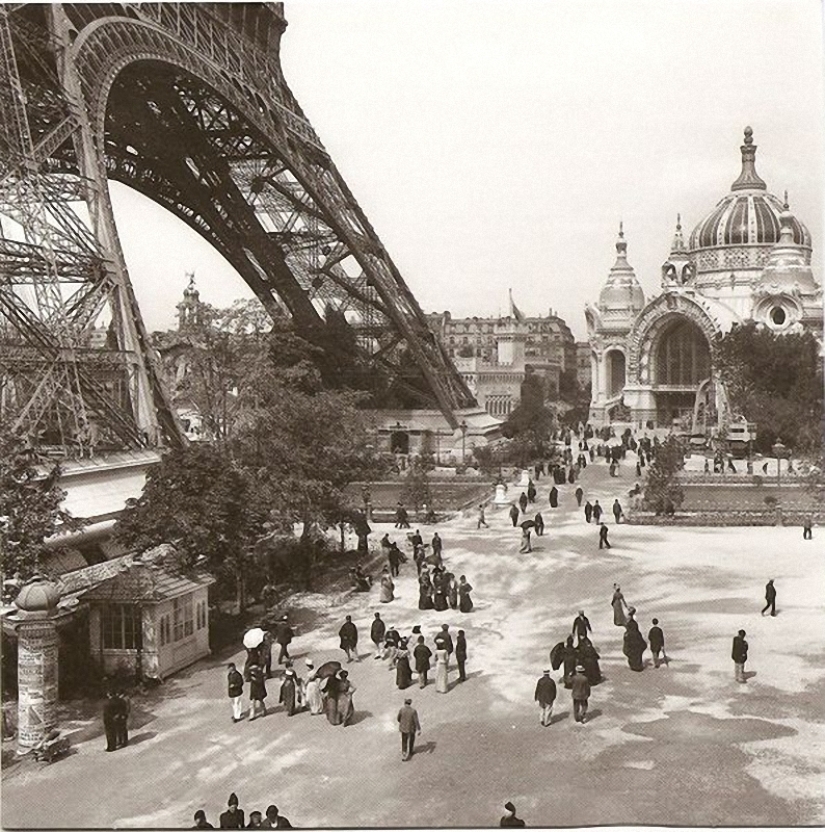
<point x="182" y="617"/>
<point x="120" y="625"/>
<point x="201" y="615"/>
<point x="165" y="630"/>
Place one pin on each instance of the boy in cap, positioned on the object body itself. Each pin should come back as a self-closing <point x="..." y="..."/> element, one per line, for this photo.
<point x="232" y="818"/>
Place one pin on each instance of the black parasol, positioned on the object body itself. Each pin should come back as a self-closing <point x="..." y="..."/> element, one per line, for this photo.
<point x="328" y="669"/>
<point x="557" y="656"/>
<point x="528" y="524"/>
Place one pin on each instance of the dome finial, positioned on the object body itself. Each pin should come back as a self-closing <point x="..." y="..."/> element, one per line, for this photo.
<point x="748" y="179"/>
<point x="621" y="228"/>
<point x="678" y="222"/>
<point x="621" y="243"/>
<point x="786" y="206"/>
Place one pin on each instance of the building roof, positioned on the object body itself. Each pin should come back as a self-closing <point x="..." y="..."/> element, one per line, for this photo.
<point x="147" y="582"/>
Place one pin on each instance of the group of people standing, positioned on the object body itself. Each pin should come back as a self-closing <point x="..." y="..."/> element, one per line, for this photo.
<point x="234" y="818"/>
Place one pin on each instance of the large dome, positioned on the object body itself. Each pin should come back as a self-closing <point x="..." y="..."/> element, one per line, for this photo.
<point x="748" y="215"/>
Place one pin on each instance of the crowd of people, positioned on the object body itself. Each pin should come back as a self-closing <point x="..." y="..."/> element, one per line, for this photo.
<point x="235" y="818"/>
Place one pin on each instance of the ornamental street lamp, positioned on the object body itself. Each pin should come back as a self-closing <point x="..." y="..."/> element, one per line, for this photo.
<point x="780" y="451"/>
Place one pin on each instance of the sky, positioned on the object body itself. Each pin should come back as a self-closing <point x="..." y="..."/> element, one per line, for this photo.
<point x="496" y="144"/>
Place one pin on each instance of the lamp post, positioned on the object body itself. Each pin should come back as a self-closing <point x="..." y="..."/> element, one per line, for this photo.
<point x="463" y="426"/>
<point x="780" y="451"/>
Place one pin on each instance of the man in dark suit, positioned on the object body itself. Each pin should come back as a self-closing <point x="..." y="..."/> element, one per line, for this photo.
<point x="770" y="597"/>
<point x="739" y="654"/>
<point x="284" y="636"/>
<point x="121" y="720"/>
<point x="409" y="726"/>
<point x="444" y="641"/>
<point x="581" y="626"/>
<point x="232" y="818"/>
<point x="546" y="696"/>
<point x="110" y="710"/>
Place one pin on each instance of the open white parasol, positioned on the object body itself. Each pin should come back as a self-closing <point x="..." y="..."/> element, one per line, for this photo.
<point x="253" y="638"/>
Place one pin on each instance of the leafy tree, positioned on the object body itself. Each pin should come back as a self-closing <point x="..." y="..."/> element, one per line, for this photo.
<point x="775" y="381"/>
<point x="416" y="491"/>
<point x="30" y="508"/>
<point x="531" y="423"/>
<point x="662" y="493"/>
<point x="198" y="499"/>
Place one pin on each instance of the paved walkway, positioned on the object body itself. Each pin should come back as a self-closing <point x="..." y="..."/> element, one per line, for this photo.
<point x="682" y="745"/>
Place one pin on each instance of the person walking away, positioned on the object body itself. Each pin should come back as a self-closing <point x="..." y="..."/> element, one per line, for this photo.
<point x="121" y="720"/>
<point x="284" y="636"/>
<point x="581" y="626"/>
<point x="422" y="655"/>
<point x="409" y="726"/>
<point x="525" y="541"/>
<point x="580" y="690"/>
<point x="234" y="682"/>
<point x="482" y="520"/>
<point x="349" y="639"/>
<point x="531" y="491"/>
<point x="807" y="528"/>
<point x="554" y="497"/>
<point x="387" y="592"/>
<point x="739" y="654"/>
<point x="618" y="603"/>
<point x="588" y="511"/>
<point x="465" y="602"/>
<point x="604" y="543"/>
<point x="312" y="690"/>
<point x="589" y="660"/>
<point x="545" y="695"/>
<point x="539" y="521"/>
<point x="403" y="671"/>
<point x="634" y="644"/>
<point x="441" y="671"/>
<point x="510" y="819"/>
<point x="514" y="514"/>
<point x="329" y="689"/>
<point x="770" y="597"/>
<point x="289" y="692"/>
<point x="656" y="639"/>
<point x="579" y="496"/>
<point x="617" y="510"/>
<point x="377" y="632"/>
<point x="394" y="559"/>
<point x="570" y="658"/>
<point x="201" y="822"/>
<point x="522" y="501"/>
<point x="257" y="692"/>
<point x="597" y="511"/>
<point x="233" y="817"/>
<point x="275" y="820"/>
<point x="443" y="640"/>
<point x="346" y="708"/>
<point x="110" y="709"/>
<point x="461" y="655"/>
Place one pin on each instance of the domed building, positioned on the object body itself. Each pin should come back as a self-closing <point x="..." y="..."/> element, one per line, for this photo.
<point x="748" y="259"/>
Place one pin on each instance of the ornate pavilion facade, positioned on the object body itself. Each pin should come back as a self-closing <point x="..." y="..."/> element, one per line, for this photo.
<point x="748" y="259"/>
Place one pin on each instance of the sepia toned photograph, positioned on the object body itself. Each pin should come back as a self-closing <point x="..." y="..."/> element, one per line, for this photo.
<point x="450" y="371"/>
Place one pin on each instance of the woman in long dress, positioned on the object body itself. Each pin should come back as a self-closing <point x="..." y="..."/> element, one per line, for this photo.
<point x="403" y="671"/>
<point x="425" y="591"/>
<point x="289" y="693"/>
<point x="441" y="658"/>
<point x="465" y="603"/>
<point x="589" y="658"/>
<point x="312" y="690"/>
<point x="439" y="591"/>
<point x="329" y="687"/>
<point x="346" y="710"/>
<point x="387" y="587"/>
<point x="618" y="603"/>
<point x="634" y="643"/>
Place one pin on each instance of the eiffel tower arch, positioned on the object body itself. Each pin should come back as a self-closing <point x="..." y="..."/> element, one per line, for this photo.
<point x="187" y="104"/>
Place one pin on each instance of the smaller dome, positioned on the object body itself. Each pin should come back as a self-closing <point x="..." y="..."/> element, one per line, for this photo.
<point x="38" y="597"/>
<point x="787" y="264"/>
<point x="621" y="291"/>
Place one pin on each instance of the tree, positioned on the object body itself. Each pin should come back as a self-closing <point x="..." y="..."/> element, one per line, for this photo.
<point x="416" y="490"/>
<point x="198" y="499"/>
<point x="775" y="381"/>
<point x="662" y="493"/>
<point x="30" y="508"/>
<point x="531" y="422"/>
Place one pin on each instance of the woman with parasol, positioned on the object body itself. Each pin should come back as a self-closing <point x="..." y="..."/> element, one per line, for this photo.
<point x="346" y="710"/>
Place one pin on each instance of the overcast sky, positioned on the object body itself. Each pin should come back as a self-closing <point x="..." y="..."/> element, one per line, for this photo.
<point x="497" y="144"/>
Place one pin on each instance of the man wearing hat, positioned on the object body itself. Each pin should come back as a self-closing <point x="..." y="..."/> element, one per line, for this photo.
<point x="284" y="636"/>
<point x="235" y="690"/>
<point x="377" y="632"/>
<point x="409" y="726"/>
<point x="232" y="818"/>
<point x="510" y="818"/>
<point x="444" y="641"/>
<point x="581" y="693"/>
<point x="349" y="639"/>
<point x="546" y="696"/>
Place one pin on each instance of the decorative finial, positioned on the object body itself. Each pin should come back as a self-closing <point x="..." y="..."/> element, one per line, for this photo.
<point x="678" y="222"/>
<point x="748" y="179"/>
<point x="786" y="206"/>
<point x="621" y="228"/>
